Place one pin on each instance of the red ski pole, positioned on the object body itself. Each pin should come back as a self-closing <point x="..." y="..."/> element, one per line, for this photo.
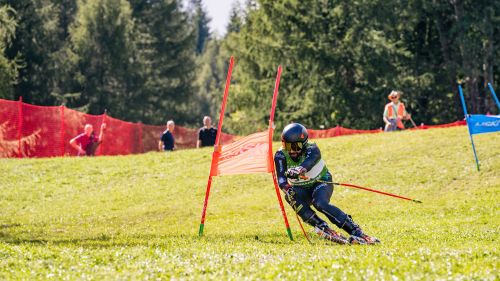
<point x="301" y="227"/>
<point x="372" y="190"/>
<point x="377" y="191"/>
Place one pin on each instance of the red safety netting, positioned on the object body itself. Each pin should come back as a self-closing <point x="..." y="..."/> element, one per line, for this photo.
<point x="453" y="124"/>
<point x="45" y="131"/>
<point x="340" y="131"/>
<point x="337" y="131"/>
<point x="10" y="134"/>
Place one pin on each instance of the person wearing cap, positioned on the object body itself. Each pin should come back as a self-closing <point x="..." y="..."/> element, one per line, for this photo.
<point x="304" y="178"/>
<point x="395" y="113"/>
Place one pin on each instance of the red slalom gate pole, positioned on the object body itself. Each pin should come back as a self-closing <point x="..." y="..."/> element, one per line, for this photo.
<point x="270" y="156"/>
<point x="224" y="101"/>
<point x="205" y="204"/>
<point x="217" y="148"/>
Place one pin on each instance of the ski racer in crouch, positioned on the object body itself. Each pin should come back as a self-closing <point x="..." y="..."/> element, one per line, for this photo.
<point x="302" y="175"/>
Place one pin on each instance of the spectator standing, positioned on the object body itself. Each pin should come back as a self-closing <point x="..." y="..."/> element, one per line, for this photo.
<point x="86" y="143"/>
<point x="167" y="141"/>
<point x="395" y="113"/>
<point x="207" y="134"/>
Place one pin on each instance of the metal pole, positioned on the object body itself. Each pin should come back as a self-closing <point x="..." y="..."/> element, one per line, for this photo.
<point x="468" y="125"/>
<point x="494" y="95"/>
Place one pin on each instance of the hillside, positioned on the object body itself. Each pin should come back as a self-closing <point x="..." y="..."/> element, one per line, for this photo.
<point x="137" y="217"/>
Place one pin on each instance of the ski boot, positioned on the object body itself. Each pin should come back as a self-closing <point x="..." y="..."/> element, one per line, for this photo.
<point x="329" y="234"/>
<point x="362" y="239"/>
<point x="357" y="236"/>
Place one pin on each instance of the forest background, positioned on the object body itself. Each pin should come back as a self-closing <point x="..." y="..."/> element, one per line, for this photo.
<point x="150" y="61"/>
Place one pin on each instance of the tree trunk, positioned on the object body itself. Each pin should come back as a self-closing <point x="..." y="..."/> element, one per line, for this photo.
<point x="450" y="65"/>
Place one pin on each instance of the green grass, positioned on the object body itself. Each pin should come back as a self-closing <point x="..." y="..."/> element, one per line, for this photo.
<point x="137" y="217"/>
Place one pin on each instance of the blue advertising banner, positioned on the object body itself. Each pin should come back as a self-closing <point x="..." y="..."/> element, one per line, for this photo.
<point x="479" y="124"/>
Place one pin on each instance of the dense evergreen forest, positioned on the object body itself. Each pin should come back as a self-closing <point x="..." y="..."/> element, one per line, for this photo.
<point x="153" y="60"/>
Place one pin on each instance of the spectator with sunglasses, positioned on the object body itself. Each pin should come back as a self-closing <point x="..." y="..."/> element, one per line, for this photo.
<point x="304" y="178"/>
<point x="395" y="113"/>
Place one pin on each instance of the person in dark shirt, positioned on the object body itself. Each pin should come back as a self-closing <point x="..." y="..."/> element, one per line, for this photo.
<point x="206" y="134"/>
<point x="167" y="141"/>
<point x="86" y="143"/>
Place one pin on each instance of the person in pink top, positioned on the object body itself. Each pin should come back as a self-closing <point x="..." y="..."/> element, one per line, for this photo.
<point x="86" y="143"/>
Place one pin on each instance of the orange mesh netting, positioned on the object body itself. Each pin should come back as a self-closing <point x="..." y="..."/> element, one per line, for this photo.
<point x="337" y="131"/>
<point x="340" y="131"/>
<point x="248" y="155"/>
<point x="45" y="131"/>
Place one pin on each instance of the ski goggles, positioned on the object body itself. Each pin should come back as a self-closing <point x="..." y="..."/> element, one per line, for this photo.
<point x="295" y="146"/>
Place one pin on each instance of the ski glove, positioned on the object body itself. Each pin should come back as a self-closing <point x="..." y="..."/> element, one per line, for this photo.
<point x="295" y="173"/>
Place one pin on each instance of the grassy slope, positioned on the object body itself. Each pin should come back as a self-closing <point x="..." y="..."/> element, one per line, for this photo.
<point x="138" y="216"/>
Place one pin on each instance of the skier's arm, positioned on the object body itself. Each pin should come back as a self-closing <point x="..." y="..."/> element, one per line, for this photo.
<point x="280" y="163"/>
<point x="313" y="155"/>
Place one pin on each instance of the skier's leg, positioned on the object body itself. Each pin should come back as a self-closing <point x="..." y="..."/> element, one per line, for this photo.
<point x="303" y="209"/>
<point x="321" y="201"/>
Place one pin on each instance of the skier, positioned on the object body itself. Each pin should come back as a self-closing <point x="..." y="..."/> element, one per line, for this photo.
<point x="302" y="176"/>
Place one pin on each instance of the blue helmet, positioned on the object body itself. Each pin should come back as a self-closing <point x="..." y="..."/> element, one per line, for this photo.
<point x="294" y="134"/>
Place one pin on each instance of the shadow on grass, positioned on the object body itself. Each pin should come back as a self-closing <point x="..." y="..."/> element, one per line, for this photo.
<point x="9" y="225"/>
<point x="145" y="240"/>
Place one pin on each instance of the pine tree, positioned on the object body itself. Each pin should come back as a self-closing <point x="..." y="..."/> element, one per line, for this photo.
<point x="201" y="21"/>
<point x="102" y="43"/>
<point x="166" y="41"/>
<point x="8" y="68"/>
<point x="235" y="19"/>
<point x="34" y="44"/>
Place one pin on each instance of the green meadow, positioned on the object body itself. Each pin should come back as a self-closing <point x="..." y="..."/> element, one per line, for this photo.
<point x="137" y="217"/>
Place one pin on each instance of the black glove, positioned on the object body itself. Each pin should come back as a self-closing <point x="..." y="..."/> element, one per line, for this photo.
<point x="295" y="173"/>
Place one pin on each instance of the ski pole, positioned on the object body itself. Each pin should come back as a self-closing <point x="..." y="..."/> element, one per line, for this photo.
<point x="369" y="189"/>
<point x="303" y="230"/>
<point x="295" y="209"/>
